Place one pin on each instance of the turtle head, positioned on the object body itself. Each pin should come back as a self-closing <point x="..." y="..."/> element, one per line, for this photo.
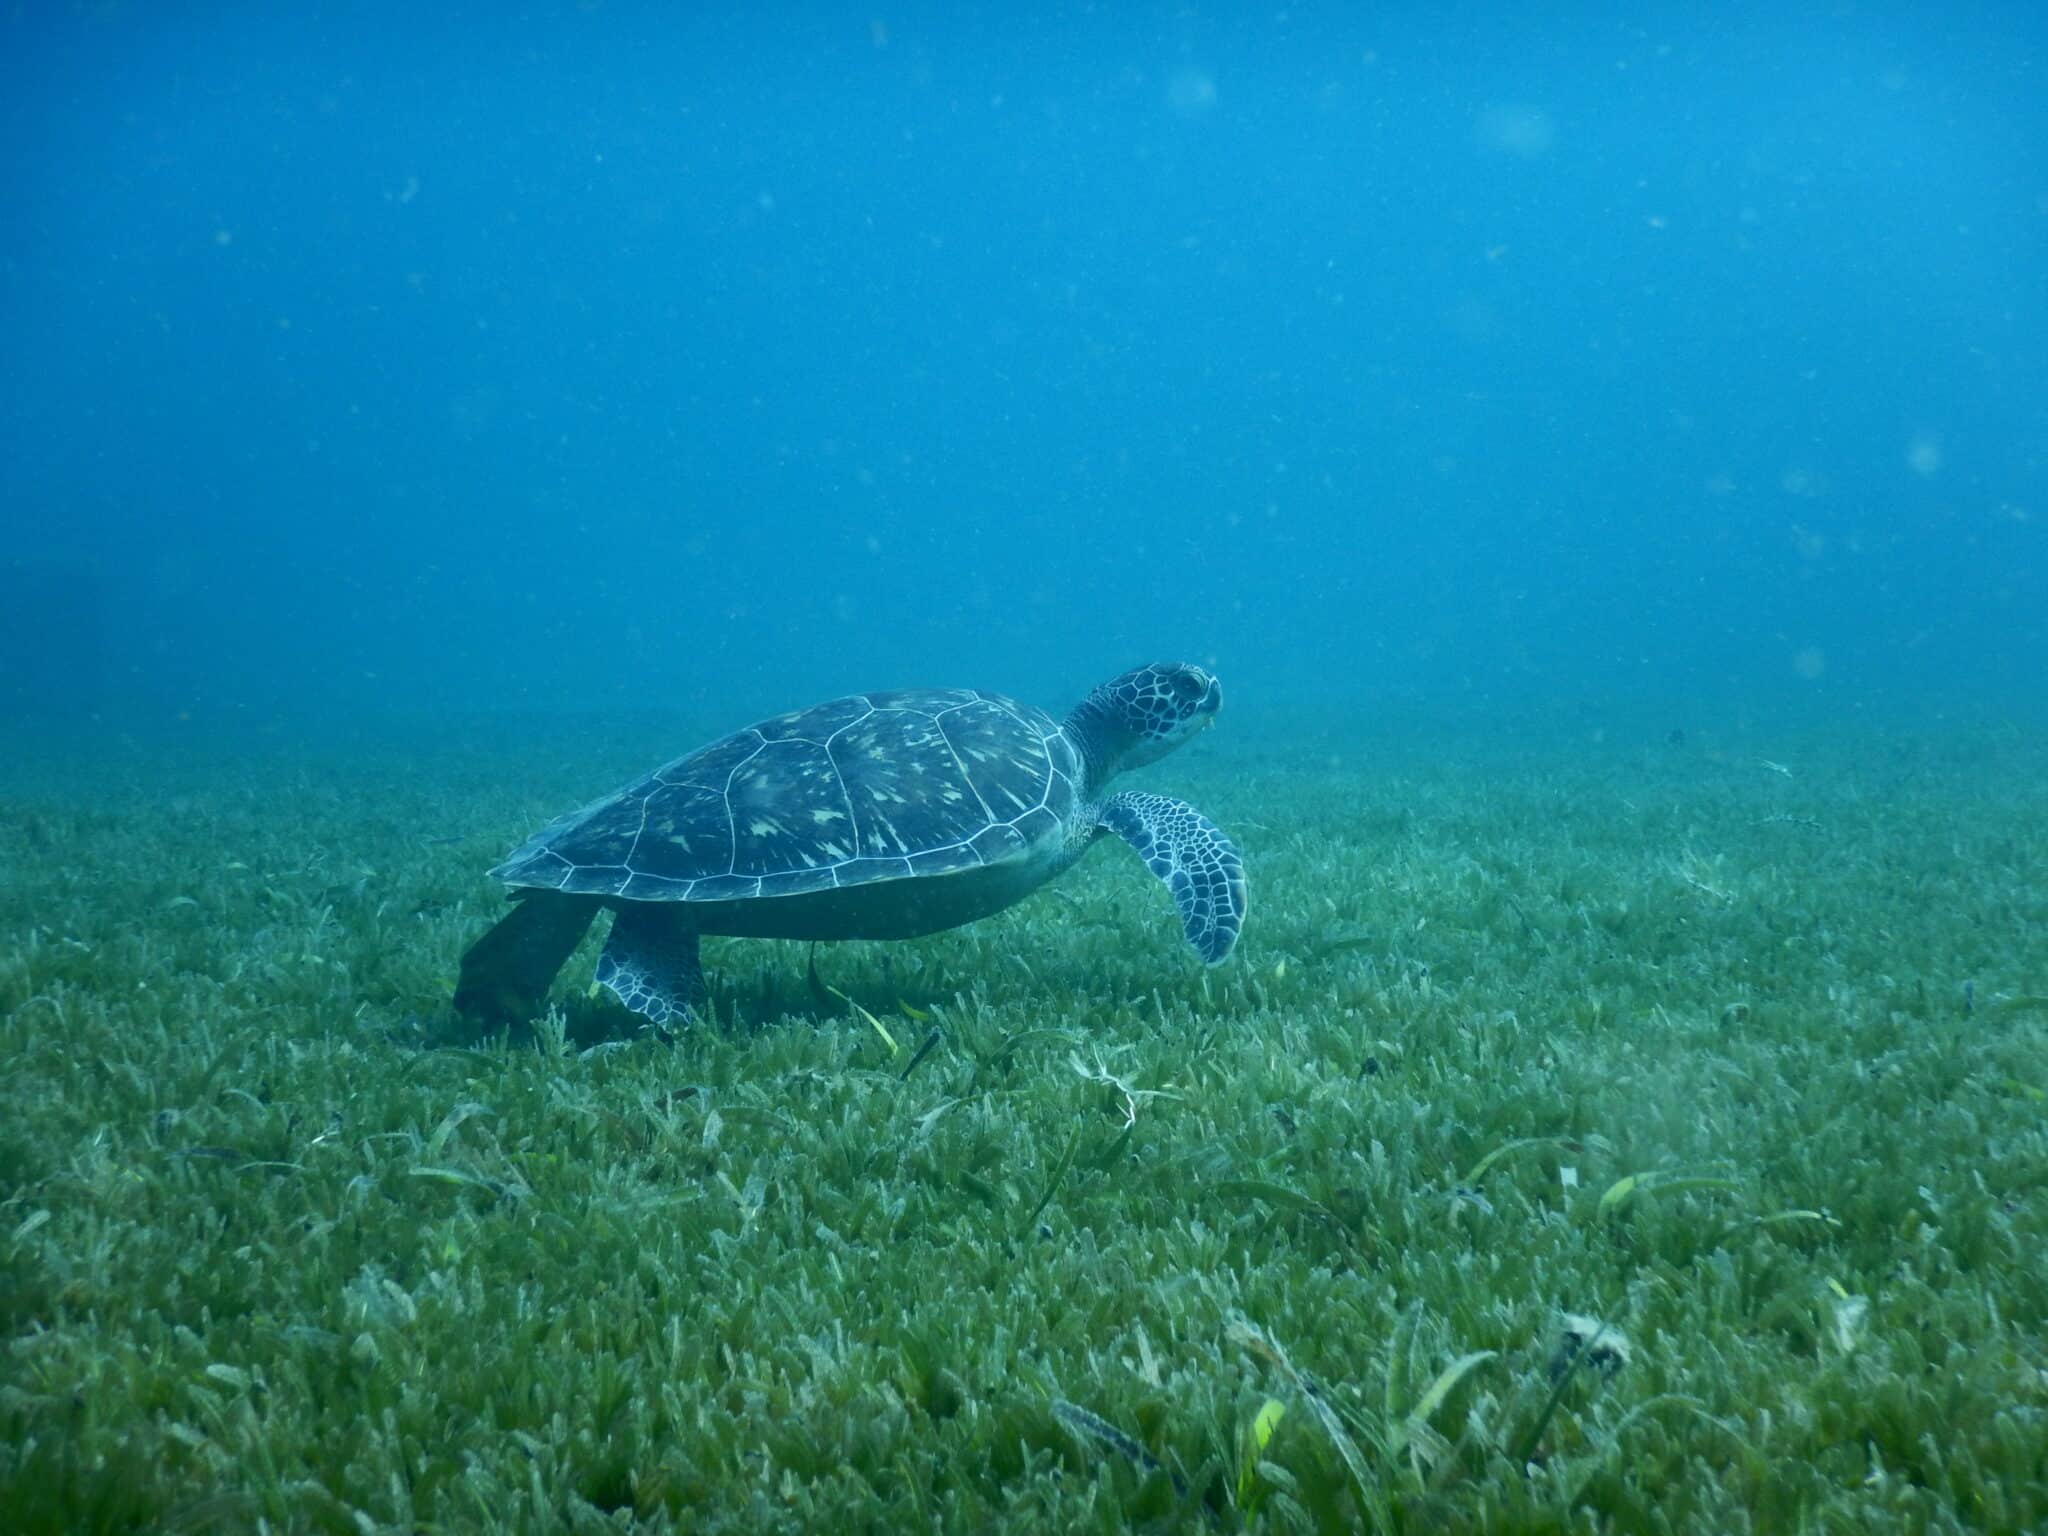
<point x="1140" y="717"/>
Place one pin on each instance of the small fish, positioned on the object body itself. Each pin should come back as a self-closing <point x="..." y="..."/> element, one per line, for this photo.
<point x="1344" y="943"/>
<point x="922" y="1051"/>
<point x="1098" y="1428"/>
<point x="1472" y="1197"/>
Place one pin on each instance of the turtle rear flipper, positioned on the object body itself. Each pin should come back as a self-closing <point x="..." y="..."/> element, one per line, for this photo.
<point x="506" y="973"/>
<point x="1188" y="852"/>
<point x="650" y="963"/>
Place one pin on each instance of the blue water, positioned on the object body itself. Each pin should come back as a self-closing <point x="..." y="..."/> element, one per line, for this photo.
<point x="620" y="356"/>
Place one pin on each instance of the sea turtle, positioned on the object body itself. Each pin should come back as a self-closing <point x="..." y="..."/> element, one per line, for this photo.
<point x="878" y="816"/>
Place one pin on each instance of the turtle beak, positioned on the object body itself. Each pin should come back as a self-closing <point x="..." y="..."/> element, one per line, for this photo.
<point x="1212" y="701"/>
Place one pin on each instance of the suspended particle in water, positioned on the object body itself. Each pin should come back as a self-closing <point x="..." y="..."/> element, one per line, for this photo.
<point x="1514" y="129"/>
<point x="1923" y="454"/>
<point x="1191" y="93"/>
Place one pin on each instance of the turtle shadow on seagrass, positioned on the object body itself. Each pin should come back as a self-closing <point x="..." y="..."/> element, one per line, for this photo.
<point x="880" y="816"/>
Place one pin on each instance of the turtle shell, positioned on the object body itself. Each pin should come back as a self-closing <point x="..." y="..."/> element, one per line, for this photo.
<point x="875" y="787"/>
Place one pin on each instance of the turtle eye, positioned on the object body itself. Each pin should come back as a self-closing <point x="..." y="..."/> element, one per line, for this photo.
<point x="1186" y="688"/>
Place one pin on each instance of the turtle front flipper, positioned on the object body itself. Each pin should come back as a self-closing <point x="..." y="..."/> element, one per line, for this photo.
<point x="650" y="963"/>
<point x="1189" y="852"/>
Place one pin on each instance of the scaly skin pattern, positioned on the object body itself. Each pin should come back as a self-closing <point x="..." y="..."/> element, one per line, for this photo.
<point x="1199" y="865"/>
